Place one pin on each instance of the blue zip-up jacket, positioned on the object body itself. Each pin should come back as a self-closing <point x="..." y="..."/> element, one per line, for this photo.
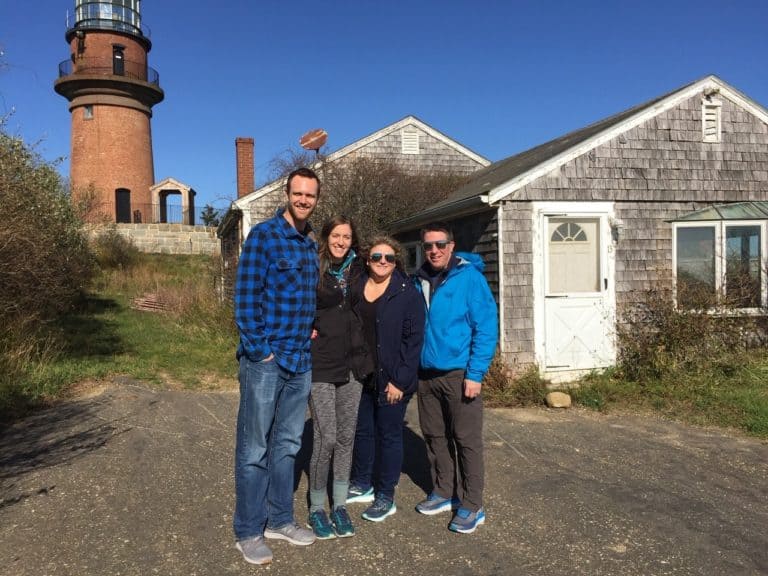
<point x="462" y="320"/>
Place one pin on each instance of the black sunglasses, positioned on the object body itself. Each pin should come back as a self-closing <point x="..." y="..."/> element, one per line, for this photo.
<point x="441" y="245"/>
<point x="376" y="256"/>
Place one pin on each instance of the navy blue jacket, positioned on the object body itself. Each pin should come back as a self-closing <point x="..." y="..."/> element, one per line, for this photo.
<point x="399" y="335"/>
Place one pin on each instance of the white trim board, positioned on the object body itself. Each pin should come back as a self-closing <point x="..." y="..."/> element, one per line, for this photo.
<point x="606" y="212"/>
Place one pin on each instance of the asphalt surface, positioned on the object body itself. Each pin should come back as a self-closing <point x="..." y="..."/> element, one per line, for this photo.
<point x="134" y="481"/>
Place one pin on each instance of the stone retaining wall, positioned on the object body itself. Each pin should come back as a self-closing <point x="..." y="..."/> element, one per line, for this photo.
<point x="169" y="238"/>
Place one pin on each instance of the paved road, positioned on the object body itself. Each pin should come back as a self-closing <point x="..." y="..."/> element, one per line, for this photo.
<point x="133" y="481"/>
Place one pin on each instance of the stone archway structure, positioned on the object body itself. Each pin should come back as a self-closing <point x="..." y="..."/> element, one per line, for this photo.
<point x="160" y="192"/>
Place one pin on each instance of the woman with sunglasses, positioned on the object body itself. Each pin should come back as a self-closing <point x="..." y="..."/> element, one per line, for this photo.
<point x="393" y="325"/>
<point x="340" y="362"/>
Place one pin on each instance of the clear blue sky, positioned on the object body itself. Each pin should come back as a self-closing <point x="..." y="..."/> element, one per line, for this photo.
<point x="498" y="76"/>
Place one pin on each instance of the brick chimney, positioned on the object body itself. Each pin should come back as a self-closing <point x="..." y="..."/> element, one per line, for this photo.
<point x="246" y="182"/>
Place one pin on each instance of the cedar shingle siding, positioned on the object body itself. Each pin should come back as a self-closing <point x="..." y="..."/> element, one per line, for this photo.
<point x="654" y="173"/>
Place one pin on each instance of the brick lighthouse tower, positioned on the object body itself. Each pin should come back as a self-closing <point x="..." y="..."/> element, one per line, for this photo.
<point x="111" y="91"/>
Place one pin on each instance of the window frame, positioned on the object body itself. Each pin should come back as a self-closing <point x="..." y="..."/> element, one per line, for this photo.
<point x="414" y="246"/>
<point x="720" y="227"/>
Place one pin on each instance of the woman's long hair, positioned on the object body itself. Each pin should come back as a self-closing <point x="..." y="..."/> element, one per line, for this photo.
<point x="323" y="250"/>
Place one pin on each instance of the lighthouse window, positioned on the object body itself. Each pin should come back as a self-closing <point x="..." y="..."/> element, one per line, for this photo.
<point x="118" y="60"/>
<point x="117" y="14"/>
<point x="88" y="112"/>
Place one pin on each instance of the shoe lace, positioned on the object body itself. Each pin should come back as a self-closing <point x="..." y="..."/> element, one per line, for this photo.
<point x="342" y="517"/>
<point x="318" y="518"/>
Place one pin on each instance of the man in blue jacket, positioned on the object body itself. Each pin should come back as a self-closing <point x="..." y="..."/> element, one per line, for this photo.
<point x="459" y="343"/>
<point x="274" y="310"/>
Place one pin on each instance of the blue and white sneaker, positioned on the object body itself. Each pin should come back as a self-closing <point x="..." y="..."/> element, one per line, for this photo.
<point x="435" y="504"/>
<point x="342" y="524"/>
<point x="358" y="494"/>
<point x="465" y="521"/>
<point x="380" y="509"/>
<point x="321" y="526"/>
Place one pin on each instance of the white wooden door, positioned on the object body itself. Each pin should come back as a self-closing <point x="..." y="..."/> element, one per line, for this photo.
<point x="578" y="304"/>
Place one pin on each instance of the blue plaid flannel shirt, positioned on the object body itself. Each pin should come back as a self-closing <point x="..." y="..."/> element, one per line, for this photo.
<point x="275" y="294"/>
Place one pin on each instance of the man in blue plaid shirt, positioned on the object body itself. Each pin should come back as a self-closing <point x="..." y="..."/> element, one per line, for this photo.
<point x="274" y="310"/>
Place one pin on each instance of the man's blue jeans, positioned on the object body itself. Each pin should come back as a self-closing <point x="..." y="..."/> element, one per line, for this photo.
<point x="270" y="422"/>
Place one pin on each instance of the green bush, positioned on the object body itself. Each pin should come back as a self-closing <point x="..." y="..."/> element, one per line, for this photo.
<point x="44" y="257"/>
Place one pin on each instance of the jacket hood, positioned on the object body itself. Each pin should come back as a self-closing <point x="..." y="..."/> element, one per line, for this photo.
<point x="459" y="260"/>
<point x="470" y="258"/>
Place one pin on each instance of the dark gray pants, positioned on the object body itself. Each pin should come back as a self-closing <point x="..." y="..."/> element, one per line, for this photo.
<point x="453" y="430"/>
<point x="334" y="419"/>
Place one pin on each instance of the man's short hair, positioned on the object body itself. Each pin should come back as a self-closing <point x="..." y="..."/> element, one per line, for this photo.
<point x="438" y="227"/>
<point x="304" y="173"/>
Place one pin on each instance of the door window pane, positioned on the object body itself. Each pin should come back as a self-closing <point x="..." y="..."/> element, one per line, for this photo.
<point x="696" y="267"/>
<point x="742" y="266"/>
<point x="574" y="255"/>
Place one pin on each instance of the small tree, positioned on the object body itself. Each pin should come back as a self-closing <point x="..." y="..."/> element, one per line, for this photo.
<point x="210" y="216"/>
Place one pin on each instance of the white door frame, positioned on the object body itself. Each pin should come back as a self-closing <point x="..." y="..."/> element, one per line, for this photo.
<point x="604" y="211"/>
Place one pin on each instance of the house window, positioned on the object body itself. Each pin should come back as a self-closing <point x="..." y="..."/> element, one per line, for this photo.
<point x="410" y="142"/>
<point x="720" y="263"/>
<point x="88" y="112"/>
<point x="742" y="266"/>
<point x="710" y="120"/>
<point x="695" y="270"/>
<point x="414" y="257"/>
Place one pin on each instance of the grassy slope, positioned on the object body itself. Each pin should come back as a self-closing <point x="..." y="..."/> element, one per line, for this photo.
<point x="192" y="344"/>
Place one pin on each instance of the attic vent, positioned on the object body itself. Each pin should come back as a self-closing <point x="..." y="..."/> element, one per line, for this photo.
<point x="410" y="142"/>
<point x="710" y="120"/>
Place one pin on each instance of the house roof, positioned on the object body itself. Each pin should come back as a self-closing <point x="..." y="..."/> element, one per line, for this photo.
<point x="735" y="211"/>
<point x="502" y="179"/>
<point x="410" y="120"/>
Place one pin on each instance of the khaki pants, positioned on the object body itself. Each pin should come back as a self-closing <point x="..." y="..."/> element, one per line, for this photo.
<point x="453" y="430"/>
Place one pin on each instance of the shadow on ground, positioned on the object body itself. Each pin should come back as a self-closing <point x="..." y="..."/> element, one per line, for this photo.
<point x="88" y="333"/>
<point x="41" y="444"/>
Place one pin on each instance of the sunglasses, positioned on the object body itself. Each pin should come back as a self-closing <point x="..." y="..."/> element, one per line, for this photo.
<point x="440" y="245"/>
<point x="377" y="256"/>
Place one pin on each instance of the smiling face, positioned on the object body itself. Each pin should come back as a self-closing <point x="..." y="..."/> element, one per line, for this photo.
<point x="437" y="257"/>
<point x="378" y="266"/>
<point x="302" y="199"/>
<point x="339" y="242"/>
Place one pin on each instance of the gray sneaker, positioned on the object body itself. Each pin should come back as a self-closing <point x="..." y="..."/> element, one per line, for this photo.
<point x="255" y="550"/>
<point x="293" y="533"/>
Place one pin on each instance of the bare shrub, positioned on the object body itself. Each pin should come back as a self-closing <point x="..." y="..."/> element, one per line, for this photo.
<point x="656" y="339"/>
<point x="504" y="387"/>
<point x="374" y="192"/>
<point x="113" y="250"/>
